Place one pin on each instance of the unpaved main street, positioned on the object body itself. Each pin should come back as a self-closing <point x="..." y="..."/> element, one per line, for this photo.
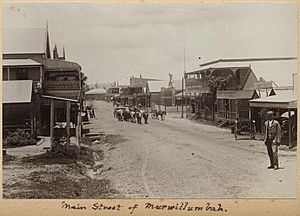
<point x="180" y="158"/>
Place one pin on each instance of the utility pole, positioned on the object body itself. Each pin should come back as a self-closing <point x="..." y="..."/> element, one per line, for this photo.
<point x="182" y="83"/>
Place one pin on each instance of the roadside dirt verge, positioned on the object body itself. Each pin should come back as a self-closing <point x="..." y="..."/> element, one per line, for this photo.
<point x="57" y="176"/>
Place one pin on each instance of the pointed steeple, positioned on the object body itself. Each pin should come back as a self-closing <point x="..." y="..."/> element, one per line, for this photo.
<point x="48" y="52"/>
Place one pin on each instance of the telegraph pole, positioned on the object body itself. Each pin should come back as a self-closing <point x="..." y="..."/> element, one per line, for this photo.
<point x="182" y="82"/>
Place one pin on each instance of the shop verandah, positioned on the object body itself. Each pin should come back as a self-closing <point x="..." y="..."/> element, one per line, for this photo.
<point x="285" y="108"/>
<point x="63" y="116"/>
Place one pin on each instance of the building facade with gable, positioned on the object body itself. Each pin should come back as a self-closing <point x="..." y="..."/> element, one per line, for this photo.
<point x="56" y="84"/>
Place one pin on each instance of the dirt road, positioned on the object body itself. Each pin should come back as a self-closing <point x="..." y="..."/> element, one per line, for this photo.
<point x="179" y="158"/>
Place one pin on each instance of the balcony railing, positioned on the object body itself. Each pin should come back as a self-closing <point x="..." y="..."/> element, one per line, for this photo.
<point x="61" y="84"/>
<point x="195" y="82"/>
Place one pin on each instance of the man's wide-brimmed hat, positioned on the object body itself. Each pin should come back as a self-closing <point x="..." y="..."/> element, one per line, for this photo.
<point x="270" y="113"/>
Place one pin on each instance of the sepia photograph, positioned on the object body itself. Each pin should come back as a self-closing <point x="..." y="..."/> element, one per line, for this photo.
<point x="149" y="100"/>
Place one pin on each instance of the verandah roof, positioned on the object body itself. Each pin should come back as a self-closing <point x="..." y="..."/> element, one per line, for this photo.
<point x="20" y="62"/>
<point x="17" y="91"/>
<point x="281" y="101"/>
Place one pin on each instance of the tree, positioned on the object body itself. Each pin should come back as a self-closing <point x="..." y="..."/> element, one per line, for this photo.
<point x="216" y="83"/>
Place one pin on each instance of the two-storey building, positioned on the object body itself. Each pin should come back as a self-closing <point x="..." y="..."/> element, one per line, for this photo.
<point x="50" y="89"/>
<point x="221" y="90"/>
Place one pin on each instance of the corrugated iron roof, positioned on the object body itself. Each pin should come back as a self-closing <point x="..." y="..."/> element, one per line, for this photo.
<point x="17" y="91"/>
<point x="248" y="60"/>
<point x="270" y="69"/>
<point x="227" y="65"/>
<point x="24" y="40"/>
<point x="228" y="94"/>
<point x="280" y="97"/>
<point x="20" y="62"/>
<point x="56" y="64"/>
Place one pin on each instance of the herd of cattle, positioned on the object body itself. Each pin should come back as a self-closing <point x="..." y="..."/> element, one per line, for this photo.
<point x="136" y="115"/>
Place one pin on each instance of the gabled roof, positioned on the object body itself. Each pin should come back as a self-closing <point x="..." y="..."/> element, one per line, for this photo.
<point x="20" y="62"/>
<point x="155" y="86"/>
<point x="16" y="41"/>
<point x="17" y="91"/>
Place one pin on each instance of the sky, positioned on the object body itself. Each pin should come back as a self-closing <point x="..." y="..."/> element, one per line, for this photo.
<point x="113" y="41"/>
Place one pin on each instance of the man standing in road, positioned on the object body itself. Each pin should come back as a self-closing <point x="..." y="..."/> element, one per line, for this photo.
<point x="272" y="139"/>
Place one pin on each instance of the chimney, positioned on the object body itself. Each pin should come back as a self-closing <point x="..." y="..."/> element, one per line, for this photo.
<point x="64" y="54"/>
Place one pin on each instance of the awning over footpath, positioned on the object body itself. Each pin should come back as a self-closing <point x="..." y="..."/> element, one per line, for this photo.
<point x="20" y="62"/>
<point x="282" y="100"/>
<point x="243" y="94"/>
<point x="59" y="98"/>
<point x="17" y="91"/>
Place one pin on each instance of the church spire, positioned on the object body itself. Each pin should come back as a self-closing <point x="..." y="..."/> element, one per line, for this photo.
<point x="48" y="52"/>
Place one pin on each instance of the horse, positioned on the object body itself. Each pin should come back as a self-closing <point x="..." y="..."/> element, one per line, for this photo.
<point x="162" y="114"/>
<point x="138" y="116"/>
<point x="119" y="115"/>
<point x="132" y="116"/>
<point x="126" y="115"/>
<point x="145" y="115"/>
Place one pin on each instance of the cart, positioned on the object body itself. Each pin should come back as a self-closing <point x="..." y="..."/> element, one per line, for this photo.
<point x="244" y="127"/>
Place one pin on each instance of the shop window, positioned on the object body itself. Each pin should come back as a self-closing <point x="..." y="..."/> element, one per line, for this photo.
<point x="22" y="74"/>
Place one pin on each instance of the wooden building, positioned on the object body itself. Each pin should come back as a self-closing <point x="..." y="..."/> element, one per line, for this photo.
<point x="56" y="84"/>
<point x="136" y="93"/>
<point x="285" y="101"/>
<point x="202" y="86"/>
<point x="234" y="105"/>
<point x="96" y="94"/>
<point x="155" y="90"/>
<point x="18" y="102"/>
